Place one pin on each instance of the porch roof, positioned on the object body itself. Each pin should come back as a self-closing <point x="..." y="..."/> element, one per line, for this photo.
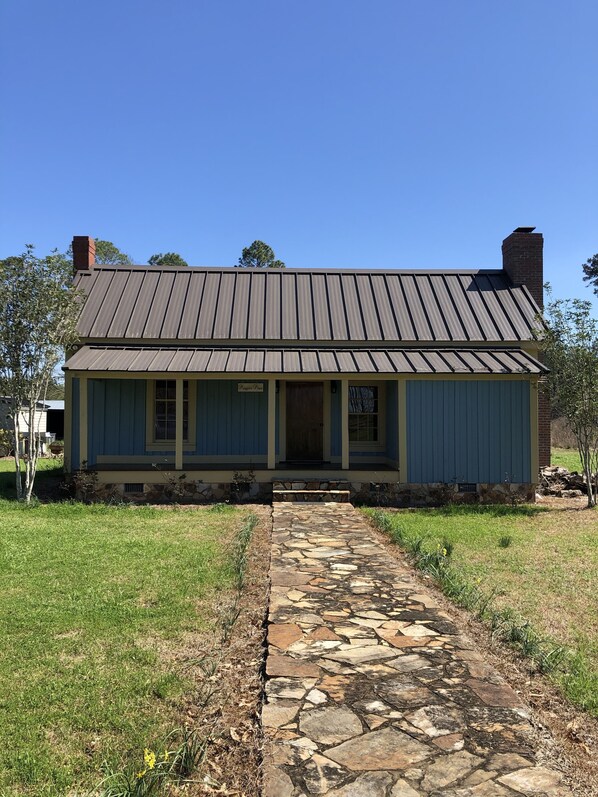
<point x="192" y="360"/>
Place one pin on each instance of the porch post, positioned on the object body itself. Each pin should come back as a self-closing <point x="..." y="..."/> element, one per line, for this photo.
<point x="271" y="424"/>
<point x="83" y="455"/>
<point x="68" y="421"/>
<point x="345" y="424"/>
<point x="178" y="445"/>
<point x="534" y="390"/>
<point x="402" y="427"/>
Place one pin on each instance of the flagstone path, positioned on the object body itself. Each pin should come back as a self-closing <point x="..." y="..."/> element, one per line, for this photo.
<point x="371" y="691"/>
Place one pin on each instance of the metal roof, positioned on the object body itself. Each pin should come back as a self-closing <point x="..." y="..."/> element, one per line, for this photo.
<point x="136" y="360"/>
<point x="199" y="304"/>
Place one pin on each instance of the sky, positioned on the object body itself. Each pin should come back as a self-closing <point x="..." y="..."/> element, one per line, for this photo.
<point x="344" y="133"/>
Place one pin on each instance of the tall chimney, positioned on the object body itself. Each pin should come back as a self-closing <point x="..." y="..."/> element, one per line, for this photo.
<point x="84" y="253"/>
<point x="522" y="260"/>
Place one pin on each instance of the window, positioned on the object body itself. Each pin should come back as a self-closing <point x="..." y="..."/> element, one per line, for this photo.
<point x="161" y="415"/>
<point x="364" y="414"/>
<point x="165" y="410"/>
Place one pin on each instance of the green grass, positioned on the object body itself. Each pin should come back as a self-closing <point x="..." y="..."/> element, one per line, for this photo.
<point x="95" y="603"/>
<point x="48" y="477"/>
<point x="566" y="458"/>
<point x="548" y="572"/>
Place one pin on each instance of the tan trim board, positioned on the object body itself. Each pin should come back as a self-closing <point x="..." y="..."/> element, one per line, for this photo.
<point x="261" y="475"/>
<point x="83" y="416"/>
<point x="296" y="377"/>
<point x="68" y="422"/>
<point x="271" y="423"/>
<point x="345" y="423"/>
<point x="534" y="431"/>
<point x="402" y="428"/>
<point x="282" y="420"/>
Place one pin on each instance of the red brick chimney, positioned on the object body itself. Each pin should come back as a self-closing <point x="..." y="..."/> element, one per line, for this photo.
<point x="84" y="253"/>
<point x="522" y="260"/>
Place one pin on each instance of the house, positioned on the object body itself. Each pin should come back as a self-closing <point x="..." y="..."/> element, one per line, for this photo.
<point x="399" y="386"/>
<point x="40" y="420"/>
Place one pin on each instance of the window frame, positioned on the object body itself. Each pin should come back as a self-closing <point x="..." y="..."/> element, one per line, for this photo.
<point x="151" y="444"/>
<point x="380" y="443"/>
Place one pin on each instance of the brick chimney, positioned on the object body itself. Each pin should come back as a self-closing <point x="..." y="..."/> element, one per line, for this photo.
<point x="84" y="253"/>
<point x="522" y="260"/>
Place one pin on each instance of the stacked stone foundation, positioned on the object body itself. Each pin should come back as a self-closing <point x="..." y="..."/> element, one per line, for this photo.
<point x="367" y="493"/>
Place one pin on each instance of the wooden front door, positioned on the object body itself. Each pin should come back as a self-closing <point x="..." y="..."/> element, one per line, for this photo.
<point x="305" y="421"/>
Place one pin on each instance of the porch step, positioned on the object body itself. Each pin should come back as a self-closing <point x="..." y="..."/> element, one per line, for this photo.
<point x="312" y="496"/>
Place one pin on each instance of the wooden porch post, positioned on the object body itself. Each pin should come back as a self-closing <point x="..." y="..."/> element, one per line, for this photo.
<point x="83" y="454"/>
<point x="271" y="424"/>
<point x="178" y="446"/>
<point x="402" y="427"/>
<point x="68" y="421"/>
<point x="534" y="389"/>
<point x="345" y="424"/>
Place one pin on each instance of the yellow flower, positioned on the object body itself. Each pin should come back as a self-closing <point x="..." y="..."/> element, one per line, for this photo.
<point x="166" y="755"/>
<point x="150" y="758"/>
<point x="140" y="774"/>
<point x="444" y="552"/>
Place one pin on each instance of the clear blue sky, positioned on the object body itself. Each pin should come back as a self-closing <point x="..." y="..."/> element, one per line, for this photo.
<point x="378" y="133"/>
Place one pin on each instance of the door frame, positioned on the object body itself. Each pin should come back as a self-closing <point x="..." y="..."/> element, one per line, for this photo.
<point x="282" y="415"/>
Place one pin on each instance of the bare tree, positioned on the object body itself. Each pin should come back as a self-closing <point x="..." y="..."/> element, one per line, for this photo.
<point x="38" y="313"/>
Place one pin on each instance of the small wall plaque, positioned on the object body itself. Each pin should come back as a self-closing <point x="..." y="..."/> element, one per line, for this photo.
<point x="250" y="387"/>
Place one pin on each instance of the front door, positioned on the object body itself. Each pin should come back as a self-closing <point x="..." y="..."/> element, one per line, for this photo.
<point x="305" y="421"/>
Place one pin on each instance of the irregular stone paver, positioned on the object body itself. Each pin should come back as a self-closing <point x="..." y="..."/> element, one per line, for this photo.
<point x="371" y="691"/>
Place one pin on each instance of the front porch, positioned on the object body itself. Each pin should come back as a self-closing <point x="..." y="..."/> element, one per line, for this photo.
<point x="212" y="429"/>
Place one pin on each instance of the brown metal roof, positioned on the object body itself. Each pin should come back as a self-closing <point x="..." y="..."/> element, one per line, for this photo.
<point x="198" y="304"/>
<point x="135" y="360"/>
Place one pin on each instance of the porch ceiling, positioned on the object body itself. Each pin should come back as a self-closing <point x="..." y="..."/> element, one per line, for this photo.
<point x="270" y="361"/>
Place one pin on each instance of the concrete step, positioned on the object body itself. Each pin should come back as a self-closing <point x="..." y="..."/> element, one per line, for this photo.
<point x="312" y="496"/>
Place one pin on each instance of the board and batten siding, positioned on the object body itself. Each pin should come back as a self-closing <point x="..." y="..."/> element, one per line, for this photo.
<point x="231" y="423"/>
<point x="470" y="431"/>
<point x="116" y="417"/>
<point x="228" y="423"/>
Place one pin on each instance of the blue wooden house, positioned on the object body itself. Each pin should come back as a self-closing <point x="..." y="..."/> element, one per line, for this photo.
<point x="402" y="386"/>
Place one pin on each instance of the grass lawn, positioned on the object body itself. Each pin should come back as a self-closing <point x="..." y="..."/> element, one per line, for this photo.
<point x="95" y="604"/>
<point x="566" y="458"/>
<point x="548" y="572"/>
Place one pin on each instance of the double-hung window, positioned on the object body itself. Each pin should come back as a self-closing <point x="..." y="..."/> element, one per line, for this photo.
<point x="364" y="414"/>
<point x="161" y="426"/>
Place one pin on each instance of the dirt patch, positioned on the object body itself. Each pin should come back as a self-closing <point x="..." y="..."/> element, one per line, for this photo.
<point x="567" y="738"/>
<point x="232" y="673"/>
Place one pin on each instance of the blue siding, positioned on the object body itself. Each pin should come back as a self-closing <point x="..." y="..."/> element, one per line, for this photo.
<point x="229" y="422"/>
<point x="470" y="431"/>
<point x="116" y="417"/>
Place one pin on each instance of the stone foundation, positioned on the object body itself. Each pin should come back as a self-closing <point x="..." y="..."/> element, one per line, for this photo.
<point x="369" y="493"/>
<point x="439" y="494"/>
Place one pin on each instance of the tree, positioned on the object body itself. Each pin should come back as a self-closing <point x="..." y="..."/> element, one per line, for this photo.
<point x="590" y="271"/>
<point x="259" y="255"/>
<point x="570" y="345"/>
<point x="167" y="259"/>
<point x="107" y="254"/>
<point x="38" y="313"/>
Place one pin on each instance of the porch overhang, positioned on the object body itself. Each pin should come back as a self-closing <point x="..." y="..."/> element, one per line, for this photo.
<point x="283" y="362"/>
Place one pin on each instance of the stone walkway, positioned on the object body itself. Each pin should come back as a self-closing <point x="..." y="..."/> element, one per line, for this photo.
<point x="371" y="691"/>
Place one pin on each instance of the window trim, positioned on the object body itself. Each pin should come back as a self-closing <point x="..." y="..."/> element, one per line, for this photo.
<point x="151" y="444"/>
<point x="380" y="444"/>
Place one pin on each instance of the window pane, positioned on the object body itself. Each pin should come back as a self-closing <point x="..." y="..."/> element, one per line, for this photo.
<point x="363" y="413"/>
<point x="165" y="410"/>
